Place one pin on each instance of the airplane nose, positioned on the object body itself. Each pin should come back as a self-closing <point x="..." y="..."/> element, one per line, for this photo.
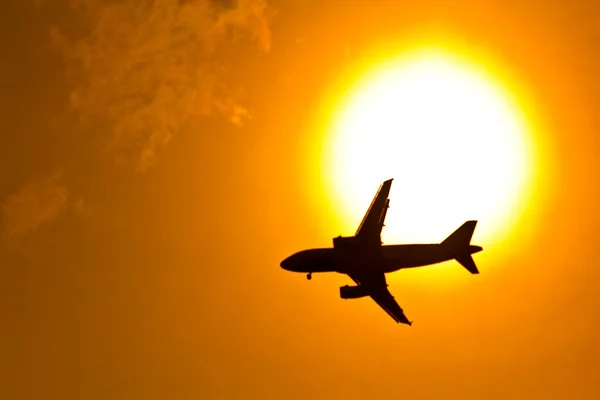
<point x="286" y="264"/>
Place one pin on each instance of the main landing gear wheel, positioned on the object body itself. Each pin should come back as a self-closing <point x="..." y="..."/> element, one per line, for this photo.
<point x="309" y="276"/>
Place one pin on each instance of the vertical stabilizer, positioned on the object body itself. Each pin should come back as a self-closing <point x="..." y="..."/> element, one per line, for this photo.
<point x="462" y="236"/>
<point x="459" y="243"/>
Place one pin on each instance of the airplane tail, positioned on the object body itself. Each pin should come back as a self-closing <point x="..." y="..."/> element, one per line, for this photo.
<point x="460" y="244"/>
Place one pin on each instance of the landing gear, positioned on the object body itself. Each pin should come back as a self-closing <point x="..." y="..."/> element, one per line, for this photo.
<point x="309" y="276"/>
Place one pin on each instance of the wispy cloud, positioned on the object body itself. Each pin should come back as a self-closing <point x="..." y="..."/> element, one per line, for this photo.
<point x="34" y="204"/>
<point x="147" y="66"/>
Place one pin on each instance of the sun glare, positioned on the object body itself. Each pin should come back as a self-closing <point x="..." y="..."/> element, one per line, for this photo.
<point x="452" y="138"/>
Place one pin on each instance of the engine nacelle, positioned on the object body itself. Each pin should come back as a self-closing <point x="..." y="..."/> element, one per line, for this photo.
<point x="352" y="292"/>
<point x="356" y="245"/>
<point x="345" y="243"/>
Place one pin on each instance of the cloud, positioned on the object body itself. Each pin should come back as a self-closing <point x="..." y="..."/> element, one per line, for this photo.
<point x="148" y="66"/>
<point x="34" y="204"/>
<point x="247" y="15"/>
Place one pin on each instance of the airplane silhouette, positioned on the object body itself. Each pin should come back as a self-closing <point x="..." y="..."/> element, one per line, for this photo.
<point x="366" y="260"/>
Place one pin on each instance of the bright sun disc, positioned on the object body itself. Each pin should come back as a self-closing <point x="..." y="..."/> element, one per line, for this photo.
<point x="454" y="141"/>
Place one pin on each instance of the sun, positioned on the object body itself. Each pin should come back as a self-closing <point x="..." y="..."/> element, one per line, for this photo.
<point x="453" y="139"/>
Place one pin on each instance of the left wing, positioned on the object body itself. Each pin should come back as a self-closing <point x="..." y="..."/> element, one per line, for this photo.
<point x="372" y="222"/>
<point x="376" y="286"/>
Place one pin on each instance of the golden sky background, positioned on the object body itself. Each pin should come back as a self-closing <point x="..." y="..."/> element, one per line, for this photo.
<point x="160" y="158"/>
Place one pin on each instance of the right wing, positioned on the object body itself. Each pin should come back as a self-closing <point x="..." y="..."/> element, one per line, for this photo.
<point x="386" y="301"/>
<point x="372" y="222"/>
<point x="376" y="286"/>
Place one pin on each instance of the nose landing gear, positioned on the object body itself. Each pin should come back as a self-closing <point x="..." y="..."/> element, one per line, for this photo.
<point x="309" y="276"/>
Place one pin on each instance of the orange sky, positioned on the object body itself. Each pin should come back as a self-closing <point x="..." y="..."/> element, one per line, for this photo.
<point x="155" y="172"/>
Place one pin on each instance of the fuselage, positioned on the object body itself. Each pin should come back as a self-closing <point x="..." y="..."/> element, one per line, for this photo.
<point x="388" y="258"/>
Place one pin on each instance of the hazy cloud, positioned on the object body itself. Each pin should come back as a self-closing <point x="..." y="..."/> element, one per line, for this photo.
<point x="147" y="66"/>
<point x="34" y="204"/>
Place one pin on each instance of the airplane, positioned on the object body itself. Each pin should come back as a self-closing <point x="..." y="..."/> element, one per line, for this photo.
<point x="365" y="259"/>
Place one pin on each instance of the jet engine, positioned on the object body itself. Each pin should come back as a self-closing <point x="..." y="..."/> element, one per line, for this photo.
<point x="345" y="243"/>
<point x="352" y="292"/>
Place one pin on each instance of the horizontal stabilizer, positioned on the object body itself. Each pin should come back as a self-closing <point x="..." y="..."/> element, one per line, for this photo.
<point x="467" y="261"/>
<point x="459" y="245"/>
